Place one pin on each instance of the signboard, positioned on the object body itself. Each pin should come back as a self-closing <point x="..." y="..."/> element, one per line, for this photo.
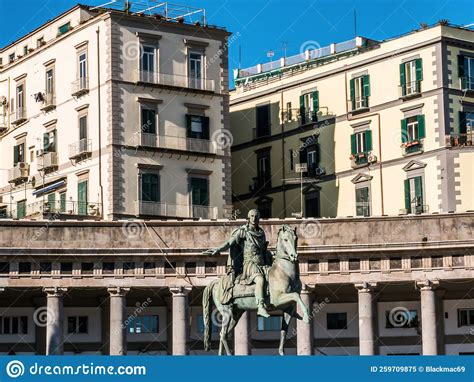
<point x="301" y="167"/>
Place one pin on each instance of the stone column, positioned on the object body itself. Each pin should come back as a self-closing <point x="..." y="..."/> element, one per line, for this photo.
<point x="242" y="335"/>
<point x="367" y="318"/>
<point x="429" y="332"/>
<point x="54" y="320"/>
<point x="118" y="329"/>
<point x="180" y="316"/>
<point x="304" y="331"/>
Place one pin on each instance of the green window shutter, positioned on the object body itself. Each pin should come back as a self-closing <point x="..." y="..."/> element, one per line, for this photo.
<point x="150" y="188"/>
<point x="419" y="193"/>
<point x="402" y="75"/>
<point x="366" y="83"/>
<point x="188" y="126"/>
<point x="316" y="101"/>
<point x="51" y="199"/>
<point x="352" y="92"/>
<point x="205" y="127"/>
<point x="302" y="109"/>
<point x="419" y="69"/>
<point x="368" y="140"/>
<point x="15" y="154"/>
<point x="82" y="197"/>
<point x="62" y="201"/>
<point x="353" y="144"/>
<point x="421" y="126"/>
<point x="45" y="141"/>
<point x="461" y="65"/>
<point x="404" y="131"/>
<point x="407" y="195"/>
<point x="462" y="123"/>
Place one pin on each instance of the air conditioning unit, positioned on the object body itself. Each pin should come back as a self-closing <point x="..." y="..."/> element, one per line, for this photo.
<point x="23" y="166"/>
<point x="372" y="158"/>
<point x="320" y="171"/>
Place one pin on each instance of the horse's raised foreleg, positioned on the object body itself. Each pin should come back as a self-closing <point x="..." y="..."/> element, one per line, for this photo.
<point x="227" y="322"/>
<point x="285" y="323"/>
<point x="285" y="298"/>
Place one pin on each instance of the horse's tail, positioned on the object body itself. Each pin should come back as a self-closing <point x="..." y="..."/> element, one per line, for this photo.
<point x="206" y="310"/>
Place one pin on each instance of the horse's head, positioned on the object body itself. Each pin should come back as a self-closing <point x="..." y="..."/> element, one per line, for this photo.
<point x="287" y="243"/>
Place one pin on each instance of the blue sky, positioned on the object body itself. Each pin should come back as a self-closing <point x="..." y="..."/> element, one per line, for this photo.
<point x="270" y="25"/>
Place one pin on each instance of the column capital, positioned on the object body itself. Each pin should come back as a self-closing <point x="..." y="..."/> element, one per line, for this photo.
<point x="118" y="291"/>
<point x="177" y="291"/>
<point x="365" y="287"/>
<point x="427" y="284"/>
<point x="55" y="291"/>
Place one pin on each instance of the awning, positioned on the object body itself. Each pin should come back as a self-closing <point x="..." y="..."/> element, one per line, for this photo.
<point x="48" y="188"/>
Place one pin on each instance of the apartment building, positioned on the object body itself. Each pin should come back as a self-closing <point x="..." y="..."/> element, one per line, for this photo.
<point x="358" y="128"/>
<point x="111" y="113"/>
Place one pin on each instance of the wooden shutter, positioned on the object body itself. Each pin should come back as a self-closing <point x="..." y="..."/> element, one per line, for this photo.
<point x="366" y="84"/>
<point x="315" y="105"/>
<point x="352" y="92"/>
<point x="45" y="141"/>
<point x="462" y="123"/>
<point x="353" y="144"/>
<point x="402" y="75"/>
<point x="15" y="154"/>
<point x="419" y="69"/>
<point x="421" y="125"/>
<point x="404" y="131"/>
<point x="407" y="195"/>
<point x="205" y="127"/>
<point x="368" y="140"/>
<point x="419" y="193"/>
<point x="461" y="66"/>
<point x="302" y="109"/>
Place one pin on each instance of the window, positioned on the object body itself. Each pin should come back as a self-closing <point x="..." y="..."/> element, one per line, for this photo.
<point x="170" y="267"/>
<point x="312" y="208"/>
<point x="87" y="268"/>
<point x="334" y="265"/>
<point x="362" y="201"/>
<point x="413" y="130"/>
<point x="40" y="42"/>
<point x="402" y="318"/>
<point x="466" y="72"/>
<point x="14" y="325"/>
<point x="4" y="268"/>
<point x="360" y="92"/>
<point x="313" y="265"/>
<point x="49" y="82"/>
<point x="395" y="262"/>
<point x="21" y="209"/>
<point x="66" y="268"/>
<point x="3" y="213"/>
<point x="190" y="268"/>
<point x="263" y="121"/>
<point x="270" y="324"/>
<point x="354" y="264"/>
<point x="361" y="145"/>
<point x="466" y="128"/>
<point x="414" y="195"/>
<point x="18" y="153"/>
<point x="129" y="268"/>
<point x="288" y="115"/>
<point x="197" y="127"/>
<point x="24" y="267"/>
<point x="20" y="102"/>
<point x="45" y="267"/>
<point x="416" y="262"/>
<point x="108" y="268"/>
<point x="147" y="63"/>
<point x="200" y="325"/>
<point x="411" y="73"/>
<point x="64" y="28"/>
<point x="11" y="58"/>
<point x="82" y="197"/>
<point x="336" y="321"/>
<point x="150" y="187"/>
<point x="82" y="71"/>
<point x="210" y="267"/>
<point x="83" y="141"/>
<point x="62" y="202"/>
<point x="49" y="141"/>
<point x="199" y="191"/>
<point x="143" y="324"/>
<point x="25" y="50"/>
<point x="263" y="170"/>
<point x="78" y="325"/>
<point x="195" y="70"/>
<point x="148" y="122"/>
<point x="309" y="107"/>
<point x="465" y="317"/>
<point x="149" y="267"/>
<point x="437" y="262"/>
<point x="264" y="206"/>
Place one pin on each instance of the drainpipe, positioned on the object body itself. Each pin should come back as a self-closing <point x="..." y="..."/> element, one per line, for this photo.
<point x="380" y="140"/>
<point x="283" y="155"/>
<point x="99" y="115"/>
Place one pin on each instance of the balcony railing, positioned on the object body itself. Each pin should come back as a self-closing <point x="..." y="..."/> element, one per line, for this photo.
<point x="187" y="144"/>
<point x="176" y="210"/>
<point x="461" y="139"/>
<point x="150" y="140"/>
<point x="18" y="173"/>
<point x="358" y="103"/>
<point x="80" y="148"/>
<point x="467" y="83"/>
<point x="49" y="101"/>
<point x="174" y="80"/>
<point x="19" y="116"/>
<point x="80" y="87"/>
<point x="308" y="117"/>
<point x="47" y="161"/>
<point x="411" y="147"/>
<point x="409" y="89"/>
<point x="58" y="207"/>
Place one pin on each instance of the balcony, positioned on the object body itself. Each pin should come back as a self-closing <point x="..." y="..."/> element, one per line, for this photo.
<point x="19" y="116"/>
<point x="467" y="83"/>
<point x="175" y="80"/>
<point x="80" y="87"/>
<point x="187" y="144"/>
<point x="19" y="173"/>
<point x="416" y="208"/>
<point x="457" y="140"/>
<point x="412" y="147"/>
<point x="49" y="102"/>
<point x="308" y="117"/>
<point x="63" y="209"/>
<point x="410" y="89"/>
<point x="47" y="161"/>
<point x="176" y="210"/>
<point x="362" y="159"/>
<point x="150" y="140"/>
<point x="80" y="149"/>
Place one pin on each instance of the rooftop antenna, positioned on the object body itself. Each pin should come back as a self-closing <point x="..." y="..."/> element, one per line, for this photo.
<point x="355" y="23"/>
<point x="284" y="47"/>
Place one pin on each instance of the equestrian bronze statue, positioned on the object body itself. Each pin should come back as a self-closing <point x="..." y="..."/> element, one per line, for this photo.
<point x="256" y="279"/>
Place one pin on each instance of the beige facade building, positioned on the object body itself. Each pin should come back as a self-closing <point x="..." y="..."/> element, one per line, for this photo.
<point x="380" y="128"/>
<point x="108" y="114"/>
